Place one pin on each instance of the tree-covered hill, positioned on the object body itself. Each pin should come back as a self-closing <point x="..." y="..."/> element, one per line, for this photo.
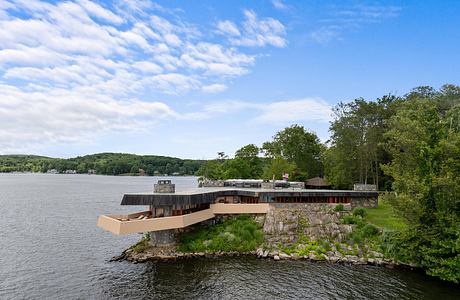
<point x="101" y="163"/>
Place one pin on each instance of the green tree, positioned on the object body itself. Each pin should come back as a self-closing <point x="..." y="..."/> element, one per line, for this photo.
<point x="425" y="148"/>
<point x="297" y="146"/>
<point x="357" y="136"/>
<point x="277" y="167"/>
<point x="249" y="156"/>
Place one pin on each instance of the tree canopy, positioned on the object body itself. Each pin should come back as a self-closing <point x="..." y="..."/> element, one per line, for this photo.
<point x="102" y="163"/>
<point x="298" y="147"/>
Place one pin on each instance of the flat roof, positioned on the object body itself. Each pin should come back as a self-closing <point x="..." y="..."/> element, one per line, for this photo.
<point x="209" y="194"/>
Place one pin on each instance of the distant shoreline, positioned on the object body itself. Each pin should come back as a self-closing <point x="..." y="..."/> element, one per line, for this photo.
<point x="119" y="175"/>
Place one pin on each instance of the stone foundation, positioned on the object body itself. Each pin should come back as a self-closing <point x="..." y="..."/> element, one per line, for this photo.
<point x="284" y="222"/>
<point x="163" y="238"/>
<point x="364" y="202"/>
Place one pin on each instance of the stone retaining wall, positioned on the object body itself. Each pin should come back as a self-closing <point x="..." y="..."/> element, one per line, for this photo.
<point x="364" y="202"/>
<point x="285" y="222"/>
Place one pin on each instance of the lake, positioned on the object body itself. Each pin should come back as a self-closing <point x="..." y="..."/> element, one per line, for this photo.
<point x="52" y="249"/>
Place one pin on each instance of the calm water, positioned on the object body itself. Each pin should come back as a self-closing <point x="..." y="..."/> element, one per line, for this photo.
<point x="52" y="249"/>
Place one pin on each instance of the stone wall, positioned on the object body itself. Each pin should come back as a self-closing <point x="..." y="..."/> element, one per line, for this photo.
<point x="163" y="238"/>
<point x="364" y="202"/>
<point x="364" y="187"/>
<point x="285" y="222"/>
<point x="212" y="183"/>
<point x="164" y="188"/>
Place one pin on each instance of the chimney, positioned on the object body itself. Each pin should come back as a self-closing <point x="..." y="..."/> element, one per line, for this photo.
<point x="164" y="186"/>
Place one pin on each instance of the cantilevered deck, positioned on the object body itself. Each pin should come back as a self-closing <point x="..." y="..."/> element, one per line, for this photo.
<point x="143" y="222"/>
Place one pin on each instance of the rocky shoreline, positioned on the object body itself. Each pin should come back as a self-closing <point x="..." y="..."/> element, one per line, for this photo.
<point x="314" y="232"/>
<point x="165" y="255"/>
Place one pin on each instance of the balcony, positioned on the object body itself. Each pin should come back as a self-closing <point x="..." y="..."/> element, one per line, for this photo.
<point x="143" y="222"/>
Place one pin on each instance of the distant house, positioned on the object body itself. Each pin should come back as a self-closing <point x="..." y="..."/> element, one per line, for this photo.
<point x="70" y="171"/>
<point x="317" y="183"/>
<point x="141" y="172"/>
<point x="91" y="171"/>
<point x="175" y="174"/>
<point x="53" y="171"/>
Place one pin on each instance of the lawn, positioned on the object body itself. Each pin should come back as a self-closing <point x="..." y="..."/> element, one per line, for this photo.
<point x="384" y="217"/>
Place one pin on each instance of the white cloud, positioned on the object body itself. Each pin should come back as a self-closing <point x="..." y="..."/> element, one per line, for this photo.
<point x="281" y="112"/>
<point x="342" y="19"/>
<point x="286" y="112"/>
<point x="279" y="4"/>
<point x="255" y="32"/>
<point x="28" y="119"/>
<point x="228" y="27"/>
<point x="100" y="12"/>
<point x="147" y="67"/>
<point x="173" y="83"/>
<point x="72" y="70"/>
<point x="214" y="88"/>
<point x="325" y="34"/>
<point x="52" y="42"/>
<point x="216" y="60"/>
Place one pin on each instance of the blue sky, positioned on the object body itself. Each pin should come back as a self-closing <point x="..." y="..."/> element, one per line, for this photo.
<point x="191" y="78"/>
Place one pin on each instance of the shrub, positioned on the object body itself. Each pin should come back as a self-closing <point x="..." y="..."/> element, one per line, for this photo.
<point x="241" y="234"/>
<point x="338" y="207"/>
<point x="359" y="211"/>
<point x="370" y="230"/>
<point x="350" y="219"/>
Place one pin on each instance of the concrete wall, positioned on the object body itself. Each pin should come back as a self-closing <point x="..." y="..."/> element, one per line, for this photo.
<point x="256" y="208"/>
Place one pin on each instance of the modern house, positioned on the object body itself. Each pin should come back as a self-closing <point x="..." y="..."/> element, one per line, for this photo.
<point x="167" y="210"/>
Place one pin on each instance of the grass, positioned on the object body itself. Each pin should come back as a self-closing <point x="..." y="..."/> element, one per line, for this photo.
<point x="384" y="217"/>
<point x="372" y="226"/>
<point x="241" y="234"/>
<point x="304" y="245"/>
<point x="141" y="246"/>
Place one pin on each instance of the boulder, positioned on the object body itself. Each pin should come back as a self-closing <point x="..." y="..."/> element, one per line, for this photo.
<point x="334" y="259"/>
<point x="352" y="259"/>
<point x="283" y="255"/>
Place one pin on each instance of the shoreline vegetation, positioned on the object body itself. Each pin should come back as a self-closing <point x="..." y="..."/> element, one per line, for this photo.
<point x="244" y="235"/>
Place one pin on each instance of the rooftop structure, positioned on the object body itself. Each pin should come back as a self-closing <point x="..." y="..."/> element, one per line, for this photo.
<point x="317" y="182"/>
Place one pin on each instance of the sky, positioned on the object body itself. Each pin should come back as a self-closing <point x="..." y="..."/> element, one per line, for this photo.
<point x="191" y="78"/>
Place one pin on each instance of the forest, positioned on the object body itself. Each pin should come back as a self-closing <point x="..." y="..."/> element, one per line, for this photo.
<point x="102" y="163"/>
